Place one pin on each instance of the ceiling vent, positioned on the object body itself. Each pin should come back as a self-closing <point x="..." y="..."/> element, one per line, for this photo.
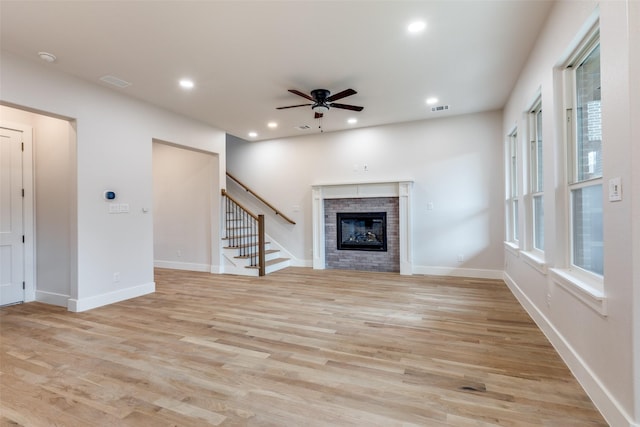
<point x="303" y="127"/>
<point x="440" y="108"/>
<point x="115" y="81"/>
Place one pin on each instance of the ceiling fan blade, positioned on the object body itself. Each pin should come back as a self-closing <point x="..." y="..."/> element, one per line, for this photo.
<point x="346" y="107"/>
<point x="340" y="95"/>
<point x="304" y="95"/>
<point x="318" y="116"/>
<point x="293" y="106"/>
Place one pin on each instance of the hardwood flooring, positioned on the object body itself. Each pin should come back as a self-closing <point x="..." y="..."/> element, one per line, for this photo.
<point x="299" y="347"/>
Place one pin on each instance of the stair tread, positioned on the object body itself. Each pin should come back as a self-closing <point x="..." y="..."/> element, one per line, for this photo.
<point x="244" y="245"/>
<point x="241" y="236"/>
<point x="271" y="262"/>
<point x="267" y="252"/>
<point x="276" y="261"/>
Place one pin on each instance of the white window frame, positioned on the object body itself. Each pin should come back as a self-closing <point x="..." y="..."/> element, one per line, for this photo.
<point x="512" y="199"/>
<point x="585" y="285"/>
<point x="573" y="181"/>
<point x="535" y="152"/>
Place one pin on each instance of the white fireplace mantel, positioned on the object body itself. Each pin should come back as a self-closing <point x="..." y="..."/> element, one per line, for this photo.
<point x="400" y="189"/>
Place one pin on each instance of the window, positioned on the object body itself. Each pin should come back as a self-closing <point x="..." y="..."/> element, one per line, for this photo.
<point x="512" y="188"/>
<point x="534" y="199"/>
<point x="537" y="177"/>
<point x="584" y="135"/>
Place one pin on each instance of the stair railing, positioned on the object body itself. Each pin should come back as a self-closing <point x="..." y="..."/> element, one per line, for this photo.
<point x="254" y="194"/>
<point x="244" y="230"/>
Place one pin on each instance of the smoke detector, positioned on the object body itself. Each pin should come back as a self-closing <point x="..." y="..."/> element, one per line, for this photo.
<point x="47" y="57"/>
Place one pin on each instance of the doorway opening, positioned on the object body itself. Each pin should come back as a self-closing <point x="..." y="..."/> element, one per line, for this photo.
<point x="186" y="208"/>
<point x="49" y="225"/>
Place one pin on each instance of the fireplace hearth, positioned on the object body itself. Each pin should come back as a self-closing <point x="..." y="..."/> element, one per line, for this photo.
<point x="362" y="231"/>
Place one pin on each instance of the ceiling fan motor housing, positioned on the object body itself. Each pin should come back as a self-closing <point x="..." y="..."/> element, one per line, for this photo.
<point x="320" y="95"/>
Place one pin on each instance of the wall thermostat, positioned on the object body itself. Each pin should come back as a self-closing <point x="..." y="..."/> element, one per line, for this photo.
<point x="109" y="195"/>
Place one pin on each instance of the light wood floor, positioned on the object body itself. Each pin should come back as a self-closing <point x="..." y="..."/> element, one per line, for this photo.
<point x="299" y="347"/>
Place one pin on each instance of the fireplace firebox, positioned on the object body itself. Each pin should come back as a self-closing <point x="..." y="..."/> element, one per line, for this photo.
<point x="362" y="231"/>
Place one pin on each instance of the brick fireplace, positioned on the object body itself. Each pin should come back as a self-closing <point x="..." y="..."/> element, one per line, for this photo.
<point x="361" y="259"/>
<point x="391" y="198"/>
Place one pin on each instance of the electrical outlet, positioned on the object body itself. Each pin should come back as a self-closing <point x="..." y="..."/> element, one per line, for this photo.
<point x="548" y="299"/>
<point x="460" y="258"/>
<point x="116" y="277"/>
<point x="179" y="253"/>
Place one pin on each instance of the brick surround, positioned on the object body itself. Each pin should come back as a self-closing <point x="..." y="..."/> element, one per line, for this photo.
<point x="388" y="261"/>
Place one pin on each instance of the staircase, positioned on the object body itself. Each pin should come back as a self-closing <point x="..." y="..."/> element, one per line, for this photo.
<point x="245" y="248"/>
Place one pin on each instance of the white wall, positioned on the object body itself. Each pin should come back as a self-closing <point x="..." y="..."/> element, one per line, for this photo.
<point x="456" y="164"/>
<point x="183" y="205"/>
<point x="114" y="151"/>
<point x="634" y="111"/>
<point x="598" y="348"/>
<point x="53" y="166"/>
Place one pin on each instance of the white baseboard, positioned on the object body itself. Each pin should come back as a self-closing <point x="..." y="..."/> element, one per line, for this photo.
<point x="83" y="304"/>
<point x="458" y="272"/>
<point x="176" y="265"/>
<point x="52" y="298"/>
<point x="297" y="262"/>
<point x="608" y="406"/>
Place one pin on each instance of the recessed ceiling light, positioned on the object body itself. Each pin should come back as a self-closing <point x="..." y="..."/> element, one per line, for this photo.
<point x="272" y="125"/>
<point x="186" y="84"/>
<point x="47" y="57"/>
<point x="352" y="121"/>
<point x="416" y="27"/>
<point x="253" y="134"/>
<point x="432" y="100"/>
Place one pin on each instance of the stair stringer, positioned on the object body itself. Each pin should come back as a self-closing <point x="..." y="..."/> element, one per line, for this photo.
<point x="293" y="260"/>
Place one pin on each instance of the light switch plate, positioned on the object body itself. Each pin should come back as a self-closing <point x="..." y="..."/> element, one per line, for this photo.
<point x="615" y="189"/>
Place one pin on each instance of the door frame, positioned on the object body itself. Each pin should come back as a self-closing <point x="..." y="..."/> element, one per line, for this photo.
<point x="28" y="209"/>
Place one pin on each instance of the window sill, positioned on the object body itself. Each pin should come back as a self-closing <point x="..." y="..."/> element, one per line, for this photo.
<point x="535" y="260"/>
<point x="587" y="290"/>
<point x="513" y="248"/>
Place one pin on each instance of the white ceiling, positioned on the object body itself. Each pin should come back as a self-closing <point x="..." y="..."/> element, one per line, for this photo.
<point x="244" y="55"/>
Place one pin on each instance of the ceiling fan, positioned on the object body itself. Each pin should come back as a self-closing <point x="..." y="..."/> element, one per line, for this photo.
<point x="323" y="100"/>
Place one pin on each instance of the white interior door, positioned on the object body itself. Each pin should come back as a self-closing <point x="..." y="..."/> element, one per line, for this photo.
<point x="11" y="219"/>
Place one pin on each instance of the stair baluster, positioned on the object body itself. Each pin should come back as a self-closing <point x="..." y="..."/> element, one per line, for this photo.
<point x="245" y="231"/>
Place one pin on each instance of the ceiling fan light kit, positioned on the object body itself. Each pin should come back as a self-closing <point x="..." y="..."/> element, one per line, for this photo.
<point x="320" y="109"/>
